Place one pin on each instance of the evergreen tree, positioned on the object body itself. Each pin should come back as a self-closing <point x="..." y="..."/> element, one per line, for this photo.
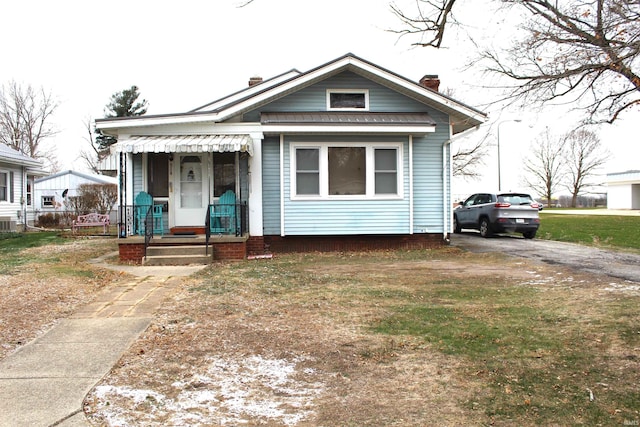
<point x="122" y="104"/>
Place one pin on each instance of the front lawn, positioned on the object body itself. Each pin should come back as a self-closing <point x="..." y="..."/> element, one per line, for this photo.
<point x="412" y="338"/>
<point x="600" y="230"/>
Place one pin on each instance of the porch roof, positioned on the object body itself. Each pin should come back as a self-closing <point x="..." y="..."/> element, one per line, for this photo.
<point x="184" y="144"/>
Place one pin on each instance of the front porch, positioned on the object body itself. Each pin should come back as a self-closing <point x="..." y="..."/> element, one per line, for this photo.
<point x="145" y="239"/>
<point x="182" y="249"/>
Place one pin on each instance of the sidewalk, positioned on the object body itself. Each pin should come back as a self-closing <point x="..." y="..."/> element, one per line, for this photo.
<point x="44" y="382"/>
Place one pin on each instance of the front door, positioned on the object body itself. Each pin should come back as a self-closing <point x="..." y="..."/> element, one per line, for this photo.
<point x="191" y="193"/>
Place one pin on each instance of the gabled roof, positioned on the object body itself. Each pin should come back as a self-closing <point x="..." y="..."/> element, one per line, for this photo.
<point x="462" y="116"/>
<point x="9" y="155"/>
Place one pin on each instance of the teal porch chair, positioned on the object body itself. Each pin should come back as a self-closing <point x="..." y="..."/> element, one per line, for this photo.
<point x="223" y="214"/>
<point x="144" y="202"/>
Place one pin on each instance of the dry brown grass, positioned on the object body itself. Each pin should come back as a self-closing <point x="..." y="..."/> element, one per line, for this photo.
<point x="290" y="341"/>
<point x="311" y="315"/>
<point x="49" y="284"/>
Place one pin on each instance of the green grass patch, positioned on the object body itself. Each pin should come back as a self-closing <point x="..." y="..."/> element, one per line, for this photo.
<point x="538" y="363"/>
<point x="601" y="230"/>
<point x="12" y="245"/>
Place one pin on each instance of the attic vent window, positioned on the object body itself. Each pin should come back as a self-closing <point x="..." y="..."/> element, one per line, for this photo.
<point x="354" y="100"/>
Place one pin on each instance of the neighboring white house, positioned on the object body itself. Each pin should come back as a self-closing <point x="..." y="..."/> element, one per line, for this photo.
<point x="17" y="173"/>
<point x="50" y="192"/>
<point x="623" y="190"/>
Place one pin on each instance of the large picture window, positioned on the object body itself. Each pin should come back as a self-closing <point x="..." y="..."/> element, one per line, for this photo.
<point x="347" y="170"/>
<point x="341" y="171"/>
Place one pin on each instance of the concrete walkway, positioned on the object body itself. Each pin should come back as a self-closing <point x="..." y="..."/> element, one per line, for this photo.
<point x="44" y="382"/>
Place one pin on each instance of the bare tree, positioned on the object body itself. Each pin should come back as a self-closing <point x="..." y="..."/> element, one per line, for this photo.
<point x="583" y="52"/>
<point x="25" y="115"/>
<point x="467" y="159"/>
<point x="583" y="157"/>
<point x="545" y="165"/>
<point x="93" y="155"/>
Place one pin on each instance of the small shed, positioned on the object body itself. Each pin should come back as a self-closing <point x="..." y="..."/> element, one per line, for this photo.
<point x="623" y="190"/>
<point x="50" y="192"/>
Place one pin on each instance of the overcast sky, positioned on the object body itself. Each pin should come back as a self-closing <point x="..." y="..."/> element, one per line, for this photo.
<point x="185" y="54"/>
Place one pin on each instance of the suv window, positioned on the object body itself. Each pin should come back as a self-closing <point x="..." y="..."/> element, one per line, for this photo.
<point x="516" y="199"/>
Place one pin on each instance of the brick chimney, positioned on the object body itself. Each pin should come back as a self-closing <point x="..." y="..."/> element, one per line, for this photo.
<point x="254" y="80"/>
<point x="430" y="81"/>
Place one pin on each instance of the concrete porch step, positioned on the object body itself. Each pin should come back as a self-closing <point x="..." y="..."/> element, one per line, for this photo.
<point x="158" y="260"/>
<point x="173" y="253"/>
<point x="155" y="250"/>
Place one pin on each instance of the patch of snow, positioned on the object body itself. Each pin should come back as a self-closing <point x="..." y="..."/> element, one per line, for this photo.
<point x="231" y="392"/>
<point x="615" y="287"/>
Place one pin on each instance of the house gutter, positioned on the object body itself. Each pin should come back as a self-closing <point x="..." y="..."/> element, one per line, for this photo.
<point x="447" y="178"/>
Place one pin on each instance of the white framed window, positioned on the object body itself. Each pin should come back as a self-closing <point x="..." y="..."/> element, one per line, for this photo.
<point x="4" y="187"/>
<point x="346" y="171"/>
<point x="307" y="169"/>
<point x="347" y="100"/>
<point x="29" y="191"/>
<point x="48" y="201"/>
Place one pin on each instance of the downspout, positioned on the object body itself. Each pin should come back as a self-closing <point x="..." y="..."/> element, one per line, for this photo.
<point x="446" y="178"/>
<point x="282" y="222"/>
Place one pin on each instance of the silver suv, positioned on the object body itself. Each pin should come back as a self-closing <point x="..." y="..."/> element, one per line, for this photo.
<point x="498" y="213"/>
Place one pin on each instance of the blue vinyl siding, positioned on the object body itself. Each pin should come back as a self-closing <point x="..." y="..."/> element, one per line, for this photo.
<point x="341" y="217"/>
<point x="271" y="186"/>
<point x="138" y="179"/>
<point x="314" y="98"/>
<point x="427" y="178"/>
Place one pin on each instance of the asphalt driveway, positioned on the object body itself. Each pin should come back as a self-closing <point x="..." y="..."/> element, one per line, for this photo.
<point x="588" y="259"/>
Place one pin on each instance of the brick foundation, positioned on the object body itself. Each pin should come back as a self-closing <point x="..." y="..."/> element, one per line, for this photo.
<point x="275" y="244"/>
<point x="229" y="251"/>
<point x="256" y="246"/>
<point x="131" y="252"/>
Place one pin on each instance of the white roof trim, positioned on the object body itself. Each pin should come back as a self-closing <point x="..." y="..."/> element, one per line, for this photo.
<point x="235" y="104"/>
<point x="319" y="128"/>
<point x="185" y="144"/>
<point x="250" y="91"/>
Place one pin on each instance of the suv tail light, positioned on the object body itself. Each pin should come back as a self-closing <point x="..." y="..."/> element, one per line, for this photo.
<point x="502" y="205"/>
<point x="535" y="205"/>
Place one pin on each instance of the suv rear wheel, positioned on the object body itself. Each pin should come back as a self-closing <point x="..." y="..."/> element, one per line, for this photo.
<point x="529" y="234"/>
<point x="456" y="225"/>
<point x="485" y="228"/>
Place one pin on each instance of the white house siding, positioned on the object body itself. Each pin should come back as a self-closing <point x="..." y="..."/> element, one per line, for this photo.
<point x="623" y="190"/>
<point x="10" y="208"/>
<point x="56" y="185"/>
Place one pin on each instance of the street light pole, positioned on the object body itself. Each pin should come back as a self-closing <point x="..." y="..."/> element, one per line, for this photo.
<point x="504" y="121"/>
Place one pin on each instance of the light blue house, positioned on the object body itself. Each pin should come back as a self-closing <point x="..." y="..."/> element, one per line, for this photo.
<point x="348" y="155"/>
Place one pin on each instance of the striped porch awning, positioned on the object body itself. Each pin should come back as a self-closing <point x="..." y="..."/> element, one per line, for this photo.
<point x="185" y="144"/>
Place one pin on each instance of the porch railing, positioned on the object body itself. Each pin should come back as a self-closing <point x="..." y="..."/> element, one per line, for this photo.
<point x="148" y="229"/>
<point x="225" y="220"/>
<point x="128" y="223"/>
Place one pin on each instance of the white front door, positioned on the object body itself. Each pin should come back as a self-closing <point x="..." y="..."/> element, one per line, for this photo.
<point x="192" y="187"/>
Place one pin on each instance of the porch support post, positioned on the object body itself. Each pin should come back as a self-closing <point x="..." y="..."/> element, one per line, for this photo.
<point x="255" y="189"/>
